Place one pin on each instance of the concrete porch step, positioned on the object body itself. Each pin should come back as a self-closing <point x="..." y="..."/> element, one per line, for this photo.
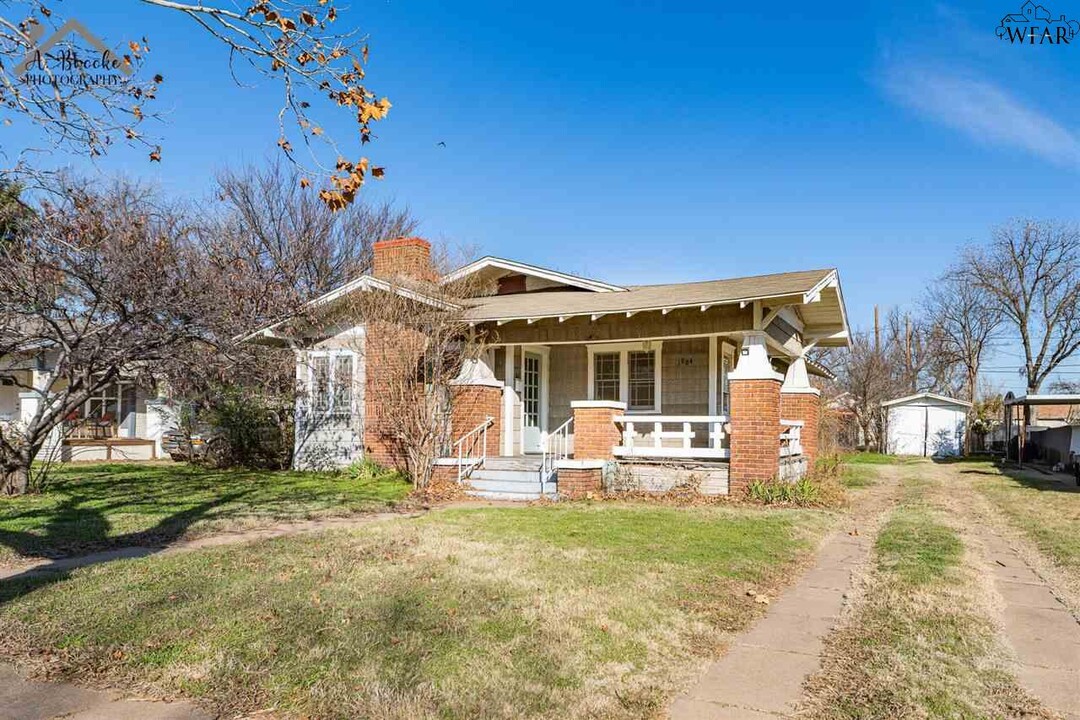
<point x="510" y="481"/>
<point x="519" y="462"/>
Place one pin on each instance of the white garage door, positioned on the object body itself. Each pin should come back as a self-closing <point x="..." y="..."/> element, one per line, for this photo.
<point x="945" y="427"/>
<point x="906" y="428"/>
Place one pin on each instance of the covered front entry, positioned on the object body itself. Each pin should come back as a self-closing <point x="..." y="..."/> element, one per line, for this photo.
<point x="676" y="382"/>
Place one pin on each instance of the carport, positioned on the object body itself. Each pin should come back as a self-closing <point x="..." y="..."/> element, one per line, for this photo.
<point x="1015" y="412"/>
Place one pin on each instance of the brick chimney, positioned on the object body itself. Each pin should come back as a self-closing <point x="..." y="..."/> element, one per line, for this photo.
<point x="403" y="257"/>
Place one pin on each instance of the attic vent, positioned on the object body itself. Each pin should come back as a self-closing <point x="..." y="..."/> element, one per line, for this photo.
<point x="7" y="381"/>
<point x="510" y="284"/>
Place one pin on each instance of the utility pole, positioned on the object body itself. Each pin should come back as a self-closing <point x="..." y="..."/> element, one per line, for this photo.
<point x="877" y="331"/>
<point x="907" y="346"/>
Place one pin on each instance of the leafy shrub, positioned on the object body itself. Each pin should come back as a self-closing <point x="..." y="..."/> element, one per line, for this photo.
<point x="803" y="492"/>
<point x="365" y="470"/>
<point x="246" y="431"/>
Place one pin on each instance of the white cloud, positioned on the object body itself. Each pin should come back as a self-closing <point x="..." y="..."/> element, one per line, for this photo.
<point x="984" y="111"/>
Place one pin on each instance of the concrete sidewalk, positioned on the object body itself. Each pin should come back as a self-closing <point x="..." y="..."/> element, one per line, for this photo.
<point x="236" y="537"/>
<point x="762" y="674"/>
<point x="1038" y="626"/>
<point x="22" y="699"/>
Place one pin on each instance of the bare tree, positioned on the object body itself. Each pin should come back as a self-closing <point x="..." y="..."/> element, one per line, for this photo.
<point x="865" y="379"/>
<point x="963" y="318"/>
<point x="85" y="97"/>
<point x="914" y="357"/>
<point x="272" y="247"/>
<point x="97" y="283"/>
<point x="415" y="342"/>
<point x="1031" y="273"/>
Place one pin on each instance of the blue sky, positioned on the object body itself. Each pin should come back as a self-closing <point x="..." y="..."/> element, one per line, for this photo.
<point x="652" y="141"/>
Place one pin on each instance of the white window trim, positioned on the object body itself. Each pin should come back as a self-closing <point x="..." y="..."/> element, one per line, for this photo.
<point x="331" y="356"/>
<point x="624" y="349"/>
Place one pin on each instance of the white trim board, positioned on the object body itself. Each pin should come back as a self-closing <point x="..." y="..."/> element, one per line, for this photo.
<point x="526" y="269"/>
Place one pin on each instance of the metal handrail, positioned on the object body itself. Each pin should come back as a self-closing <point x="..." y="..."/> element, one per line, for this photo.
<point x="556" y="447"/>
<point x="466" y="463"/>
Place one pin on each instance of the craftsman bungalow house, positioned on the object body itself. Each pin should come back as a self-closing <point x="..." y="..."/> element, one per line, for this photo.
<point x="585" y="383"/>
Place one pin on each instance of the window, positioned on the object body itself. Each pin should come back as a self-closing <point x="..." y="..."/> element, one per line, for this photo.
<point x="642" y="380"/>
<point x="331" y="383"/>
<point x="104" y="404"/>
<point x="320" y="383"/>
<point x="626" y="372"/>
<point x="343" y="385"/>
<point x="606" y="376"/>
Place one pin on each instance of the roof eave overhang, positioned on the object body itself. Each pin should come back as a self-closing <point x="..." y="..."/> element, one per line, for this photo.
<point x="366" y="283"/>
<point x="787" y="298"/>
<point x="524" y="268"/>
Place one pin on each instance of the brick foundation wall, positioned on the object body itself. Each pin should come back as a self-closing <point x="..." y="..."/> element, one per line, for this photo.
<point x="579" y="482"/>
<point x="595" y="433"/>
<point x="441" y="474"/>
<point x="755" y="431"/>
<point x="403" y="257"/>
<point x="470" y="405"/>
<point x="804" y="406"/>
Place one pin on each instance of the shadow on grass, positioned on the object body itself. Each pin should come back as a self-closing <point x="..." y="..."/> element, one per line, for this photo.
<point x="1032" y="477"/>
<point x="94" y="530"/>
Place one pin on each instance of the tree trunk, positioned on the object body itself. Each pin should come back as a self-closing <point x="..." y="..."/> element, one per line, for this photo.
<point x="15" y="478"/>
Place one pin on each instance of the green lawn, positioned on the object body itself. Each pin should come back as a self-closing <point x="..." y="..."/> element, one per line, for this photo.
<point x="571" y="610"/>
<point x="93" y="506"/>
<point x="921" y="643"/>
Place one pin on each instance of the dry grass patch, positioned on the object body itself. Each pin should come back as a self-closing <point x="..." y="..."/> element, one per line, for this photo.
<point x="599" y="611"/>
<point x="921" y="643"/>
<point x="1045" y="510"/>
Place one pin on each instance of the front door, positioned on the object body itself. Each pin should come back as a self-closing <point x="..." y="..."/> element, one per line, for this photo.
<point x="530" y="399"/>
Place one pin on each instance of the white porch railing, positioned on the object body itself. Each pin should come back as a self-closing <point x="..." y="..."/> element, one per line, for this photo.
<point x="791" y="438"/>
<point x="661" y="443"/>
<point x="465" y="449"/>
<point x="556" y="447"/>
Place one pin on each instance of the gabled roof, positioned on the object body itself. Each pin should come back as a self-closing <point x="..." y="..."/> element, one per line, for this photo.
<point x="490" y="262"/>
<point x="364" y="283"/>
<point x="926" y="396"/>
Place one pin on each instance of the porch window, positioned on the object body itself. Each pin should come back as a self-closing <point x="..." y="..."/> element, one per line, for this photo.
<point x="626" y="372"/>
<point x="642" y="380"/>
<point x="330" y="376"/>
<point x="606" y="376"/>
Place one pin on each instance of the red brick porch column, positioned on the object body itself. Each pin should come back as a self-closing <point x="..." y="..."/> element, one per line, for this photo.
<point x="755" y="416"/>
<point x="595" y="435"/>
<point x="595" y="432"/>
<point x="800" y="401"/>
<point x="804" y="405"/>
<point x="470" y="405"/>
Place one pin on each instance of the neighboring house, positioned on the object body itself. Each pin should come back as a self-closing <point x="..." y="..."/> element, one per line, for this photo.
<point x="587" y="382"/>
<point x="925" y="424"/>
<point x="121" y="422"/>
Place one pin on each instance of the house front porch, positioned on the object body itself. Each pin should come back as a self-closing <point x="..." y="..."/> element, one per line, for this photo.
<point x="641" y="414"/>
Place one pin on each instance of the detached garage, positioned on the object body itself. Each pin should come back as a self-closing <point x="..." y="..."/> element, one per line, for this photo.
<point x="925" y="424"/>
